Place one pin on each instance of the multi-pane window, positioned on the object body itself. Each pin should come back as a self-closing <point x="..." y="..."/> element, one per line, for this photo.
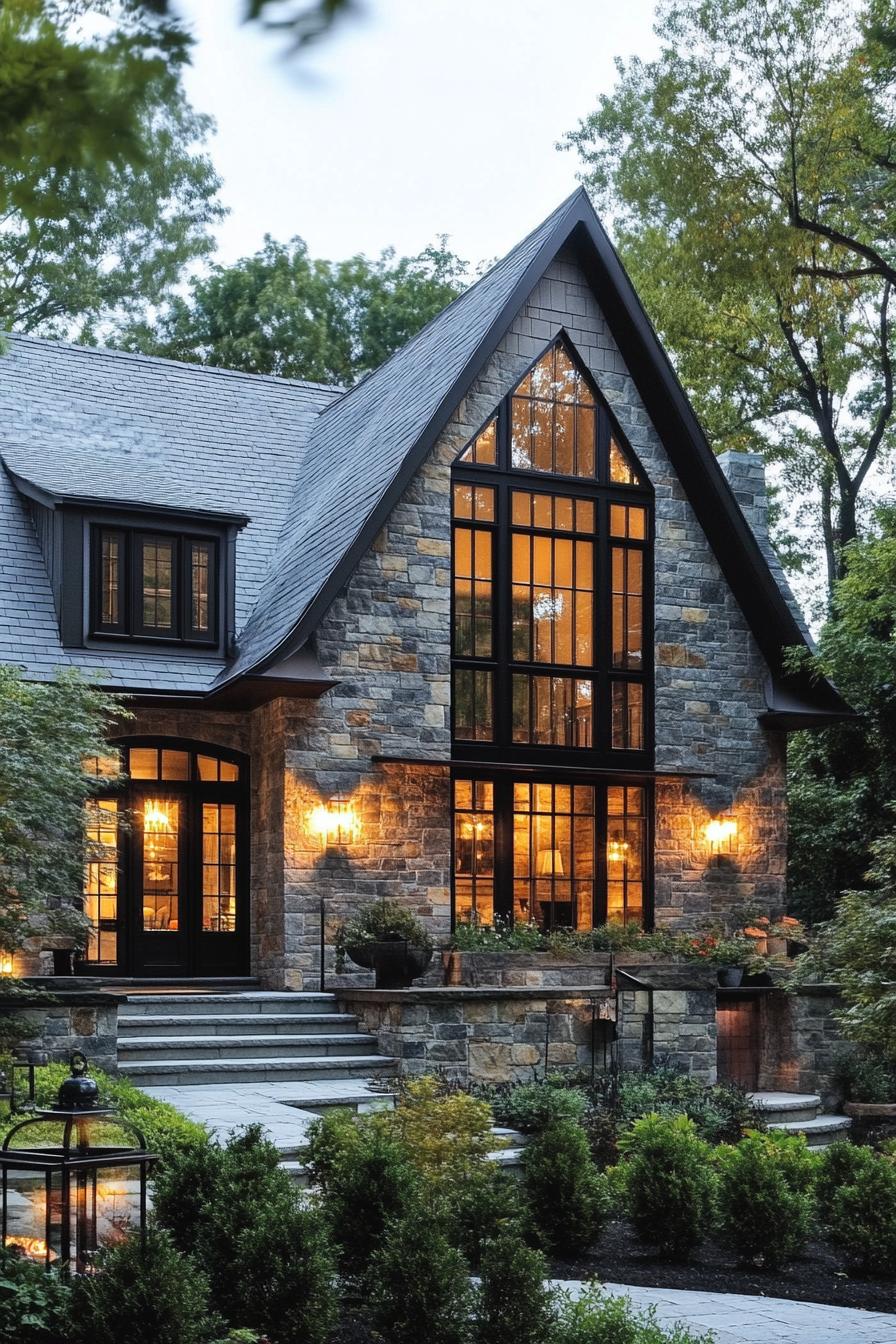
<point x="154" y="585"/>
<point x="219" y="867"/>
<point x="101" y="879"/>
<point x="551" y="657"/>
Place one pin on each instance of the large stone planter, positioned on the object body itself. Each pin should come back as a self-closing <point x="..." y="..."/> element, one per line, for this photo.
<point x="542" y="970"/>
<point x="67" y="1020"/>
<point x="871" y="1110"/>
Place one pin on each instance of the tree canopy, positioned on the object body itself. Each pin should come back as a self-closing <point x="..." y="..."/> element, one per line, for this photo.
<point x="749" y="175"/>
<point x="105" y="193"/>
<point x="284" y="312"/>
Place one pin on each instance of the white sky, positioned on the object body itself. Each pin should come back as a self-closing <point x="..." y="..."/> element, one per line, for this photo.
<point x="423" y="117"/>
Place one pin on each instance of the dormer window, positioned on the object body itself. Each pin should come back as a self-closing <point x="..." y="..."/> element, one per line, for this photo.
<point x="154" y="585"/>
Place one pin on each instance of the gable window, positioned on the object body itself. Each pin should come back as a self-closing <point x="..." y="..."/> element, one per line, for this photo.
<point x="155" y="585"/>
<point x="551" y="657"/>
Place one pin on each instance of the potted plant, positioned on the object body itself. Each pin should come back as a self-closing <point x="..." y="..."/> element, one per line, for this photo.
<point x="387" y="939"/>
<point x="729" y="954"/>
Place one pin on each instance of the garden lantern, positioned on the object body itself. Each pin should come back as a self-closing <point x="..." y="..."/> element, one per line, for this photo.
<point x="70" y="1185"/>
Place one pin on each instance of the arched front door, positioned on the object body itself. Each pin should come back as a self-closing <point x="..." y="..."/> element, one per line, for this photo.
<point x="166" y="882"/>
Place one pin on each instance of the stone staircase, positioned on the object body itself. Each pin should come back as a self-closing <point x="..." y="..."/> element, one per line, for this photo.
<point x="182" y="1039"/>
<point x="800" y="1113"/>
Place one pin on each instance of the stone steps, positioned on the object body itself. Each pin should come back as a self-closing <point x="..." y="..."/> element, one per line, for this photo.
<point x="261" y="1001"/>
<point x="194" y="1072"/>
<point x="234" y="1024"/>
<point x="799" y="1113"/>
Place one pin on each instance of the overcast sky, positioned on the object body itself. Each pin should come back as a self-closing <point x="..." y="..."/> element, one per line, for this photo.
<point x="424" y="117"/>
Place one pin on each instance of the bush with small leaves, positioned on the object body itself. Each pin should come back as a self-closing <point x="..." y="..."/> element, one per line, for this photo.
<point x="514" y="1304"/>
<point x="861" y="1217"/>
<point x="365" y="1179"/>
<point x="766" y="1200"/>
<point x="287" y="1274"/>
<point x="567" y="1194"/>
<point x="528" y="1107"/>
<point x="33" y="1302"/>
<point x="838" y="1165"/>
<point x="668" y="1182"/>
<point x="151" y="1295"/>
<point x="487" y="1204"/>
<point x="594" y="1318"/>
<point x="419" y="1284"/>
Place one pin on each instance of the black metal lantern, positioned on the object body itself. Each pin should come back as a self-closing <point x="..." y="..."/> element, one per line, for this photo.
<point x="65" y="1200"/>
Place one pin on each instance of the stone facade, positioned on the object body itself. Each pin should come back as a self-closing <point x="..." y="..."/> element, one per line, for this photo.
<point x="385" y="641"/>
<point x="70" y="1020"/>
<point x="800" y="1040"/>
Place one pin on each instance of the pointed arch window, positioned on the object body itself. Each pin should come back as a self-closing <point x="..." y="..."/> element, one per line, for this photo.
<point x="552" y="662"/>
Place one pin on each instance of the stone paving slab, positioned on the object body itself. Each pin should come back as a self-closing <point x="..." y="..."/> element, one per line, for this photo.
<point x="733" y="1318"/>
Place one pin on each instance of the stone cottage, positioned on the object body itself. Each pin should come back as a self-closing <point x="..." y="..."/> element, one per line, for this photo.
<point x="492" y="634"/>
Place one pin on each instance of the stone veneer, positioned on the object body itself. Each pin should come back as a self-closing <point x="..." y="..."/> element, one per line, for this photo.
<point x="67" y="1020"/>
<point x="385" y="641"/>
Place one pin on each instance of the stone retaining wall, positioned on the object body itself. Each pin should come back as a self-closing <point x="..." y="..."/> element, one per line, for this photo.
<point x="801" y="1038"/>
<point x="68" y="1020"/>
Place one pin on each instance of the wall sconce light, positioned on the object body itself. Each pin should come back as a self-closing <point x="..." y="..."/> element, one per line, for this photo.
<point x="720" y="833"/>
<point x="335" y="822"/>
<point x="6" y="963"/>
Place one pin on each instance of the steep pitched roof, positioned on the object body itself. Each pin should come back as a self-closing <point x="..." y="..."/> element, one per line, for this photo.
<point x="170" y="435"/>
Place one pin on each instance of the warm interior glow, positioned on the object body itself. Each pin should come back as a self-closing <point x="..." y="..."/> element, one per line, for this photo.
<point x="617" y="851"/>
<point x="34" y="1247"/>
<point x="549" y="863"/>
<point x="155" y="818"/>
<point x="5" y="963"/>
<point x="720" y="831"/>
<point x="334" y="822"/>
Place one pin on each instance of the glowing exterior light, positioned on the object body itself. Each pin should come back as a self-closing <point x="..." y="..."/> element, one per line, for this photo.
<point x="6" y="964"/>
<point x="334" y="822"/>
<point x="720" y="833"/>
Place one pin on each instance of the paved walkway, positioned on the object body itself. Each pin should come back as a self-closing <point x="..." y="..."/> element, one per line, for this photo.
<point x="733" y="1319"/>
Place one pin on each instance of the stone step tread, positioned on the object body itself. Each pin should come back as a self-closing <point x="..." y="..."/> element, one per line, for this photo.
<point x="822" y="1124"/>
<point x="784" y="1101"/>
<point x="237" y="997"/>
<point x="308" y="1038"/>
<point x="253" y="1021"/>
<point x="225" y="1066"/>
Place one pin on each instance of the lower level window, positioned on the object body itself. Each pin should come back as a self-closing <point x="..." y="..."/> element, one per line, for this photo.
<point x="551" y="854"/>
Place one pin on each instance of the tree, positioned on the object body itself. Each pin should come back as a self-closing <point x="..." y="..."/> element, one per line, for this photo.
<point x="96" y="228"/>
<point x="47" y="731"/>
<point x="286" y="313"/>
<point x="746" y="169"/>
<point x="843" y="780"/>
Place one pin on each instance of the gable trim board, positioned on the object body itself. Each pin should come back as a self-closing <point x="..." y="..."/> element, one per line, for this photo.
<point x="745" y="568"/>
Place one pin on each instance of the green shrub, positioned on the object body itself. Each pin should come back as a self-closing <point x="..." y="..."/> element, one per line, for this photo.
<point x="669" y="1183"/>
<point x="722" y="1113"/>
<point x="766" y="1203"/>
<point x="365" y="1177"/>
<point x="566" y="1192"/>
<point x="33" y="1303"/>
<point x="528" y="1107"/>
<point x="594" y="1318"/>
<point x="513" y="1306"/>
<point x="864" y="1076"/>
<point x="167" y="1132"/>
<point x="862" y="1217"/>
<point x="377" y="921"/>
<point x="486" y="1204"/>
<point x="838" y="1165"/>
<point x="419" y="1284"/>
<point x="446" y="1132"/>
<point x="287" y="1274"/>
<point x="156" y="1296"/>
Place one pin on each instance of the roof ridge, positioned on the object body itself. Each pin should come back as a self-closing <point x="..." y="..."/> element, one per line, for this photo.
<point x="26" y="337"/>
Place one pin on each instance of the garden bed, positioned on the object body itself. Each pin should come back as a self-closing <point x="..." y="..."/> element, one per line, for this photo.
<point x="818" y="1276"/>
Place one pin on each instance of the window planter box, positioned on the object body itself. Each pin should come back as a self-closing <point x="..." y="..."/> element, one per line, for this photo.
<point x="534" y="970"/>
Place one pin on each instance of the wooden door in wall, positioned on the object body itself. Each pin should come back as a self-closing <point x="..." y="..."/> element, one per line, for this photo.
<point x="737" y="1020"/>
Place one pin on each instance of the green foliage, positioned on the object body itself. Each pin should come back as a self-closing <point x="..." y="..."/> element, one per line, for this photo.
<point x="864" y="1077"/>
<point x="34" y="1303"/>
<point x="669" y="1183"/>
<point x="365" y="1177"/>
<point x="447" y="1133"/>
<point x="566" y="1193"/>
<point x="419" y="1284"/>
<point x="486" y="1204"/>
<point x="168" y="1133"/>
<point x="861" y="1217"/>
<point x="595" y="1318"/>
<point x="47" y="730"/>
<point x="529" y="1107"/>
<point x="838" y="1165"/>
<point x="286" y="313"/>
<point x="106" y="196"/>
<point x="156" y="1296"/>
<point x="506" y="936"/>
<point x="748" y="172"/>
<point x="513" y="1304"/>
<point x="287" y="1273"/>
<point x="766" y="1204"/>
<point x="721" y="1112"/>
<point x="377" y="921"/>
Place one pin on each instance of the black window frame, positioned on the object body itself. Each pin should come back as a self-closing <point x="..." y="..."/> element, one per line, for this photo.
<point x="130" y="624"/>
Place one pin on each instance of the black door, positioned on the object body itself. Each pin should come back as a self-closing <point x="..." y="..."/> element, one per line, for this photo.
<point x="168" y="892"/>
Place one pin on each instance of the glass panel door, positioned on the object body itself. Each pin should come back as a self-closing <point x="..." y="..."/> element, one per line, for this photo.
<point x="160" y="892"/>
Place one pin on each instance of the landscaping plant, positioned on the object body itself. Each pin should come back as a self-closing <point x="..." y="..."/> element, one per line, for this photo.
<point x="447" y="1133"/>
<point x="513" y="1305"/>
<point x="485" y="1205"/>
<point x="34" y="1303"/>
<point x="668" y="1182"/>
<point x="838" y="1165"/>
<point x="419" y="1284"/>
<point x="766" y="1202"/>
<point x="566" y="1193"/>
<point x="861" y="1216"/>
<point x="594" y="1318"/>
<point x="529" y="1107"/>
<point x="721" y="1112"/>
<point x="378" y="921"/>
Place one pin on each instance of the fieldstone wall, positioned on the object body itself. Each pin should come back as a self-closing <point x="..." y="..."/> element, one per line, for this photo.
<point x="485" y="1035"/>
<point x="800" y="1039"/>
<point x="82" y="1020"/>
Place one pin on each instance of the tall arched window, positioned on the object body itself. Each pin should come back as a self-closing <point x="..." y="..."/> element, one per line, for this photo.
<point x="166" y="879"/>
<point x="552" y="658"/>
